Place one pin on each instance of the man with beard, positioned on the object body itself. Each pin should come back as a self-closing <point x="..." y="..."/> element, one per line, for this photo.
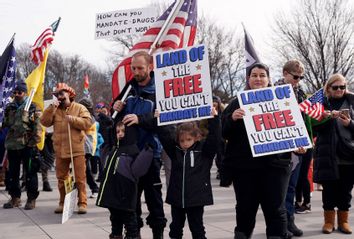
<point x="66" y="115"/>
<point x="138" y="109"/>
<point x="21" y="140"/>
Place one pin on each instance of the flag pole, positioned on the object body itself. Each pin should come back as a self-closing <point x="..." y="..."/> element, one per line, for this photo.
<point x="162" y="32"/>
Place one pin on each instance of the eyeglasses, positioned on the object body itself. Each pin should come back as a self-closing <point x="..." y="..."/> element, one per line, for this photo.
<point x="17" y="92"/>
<point x="336" y="87"/>
<point x="296" y="77"/>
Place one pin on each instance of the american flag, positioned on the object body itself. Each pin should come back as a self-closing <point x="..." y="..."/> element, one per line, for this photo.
<point x="181" y="33"/>
<point x="8" y="77"/>
<point x="42" y="43"/>
<point x="313" y="106"/>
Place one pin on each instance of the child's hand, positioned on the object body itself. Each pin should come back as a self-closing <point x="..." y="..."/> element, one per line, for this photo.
<point x="214" y="112"/>
<point x="157" y="113"/>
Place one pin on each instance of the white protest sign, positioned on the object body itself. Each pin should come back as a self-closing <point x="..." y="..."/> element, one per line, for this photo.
<point x="124" y="22"/>
<point x="273" y="120"/>
<point x="69" y="205"/>
<point x="183" y="88"/>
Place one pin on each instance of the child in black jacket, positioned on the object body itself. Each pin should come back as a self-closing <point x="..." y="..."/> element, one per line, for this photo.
<point x="189" y="189"/>
<point x="118" y="190"/>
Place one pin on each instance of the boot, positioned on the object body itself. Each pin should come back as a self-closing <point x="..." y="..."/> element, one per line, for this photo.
<point x="157" y="233"/>
<point x="293" y="228"/>
<point x="59" y="209"/>
<point x="240" y="235"/>
<point x="31" y="201"/>
<point x="46" y="185"/>
<point x="343" y="225"/>
<point x="329" y="217"/>
<point x="13" y="202"/>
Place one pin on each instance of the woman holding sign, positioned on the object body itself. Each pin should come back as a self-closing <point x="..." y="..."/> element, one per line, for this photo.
<point x="334" y="153"/>
<point x="257" y="181"/>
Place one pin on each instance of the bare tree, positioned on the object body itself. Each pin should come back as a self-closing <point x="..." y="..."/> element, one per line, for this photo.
<point x="320" y="34"/>
<point x="68" y="69"/>
<point x="226" y="57"/>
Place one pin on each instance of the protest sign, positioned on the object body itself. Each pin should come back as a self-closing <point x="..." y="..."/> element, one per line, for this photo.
<point x="69" y="205"/>
<point x="273" y="120"/>
<point x="183" y="89"/>
<point x="124" y="22"/>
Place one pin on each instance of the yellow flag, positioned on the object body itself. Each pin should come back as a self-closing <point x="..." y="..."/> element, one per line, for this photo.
<point x="35" y="82"/>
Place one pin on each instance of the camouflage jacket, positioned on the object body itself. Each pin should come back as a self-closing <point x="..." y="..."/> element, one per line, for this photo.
<point x="24" y="127"/>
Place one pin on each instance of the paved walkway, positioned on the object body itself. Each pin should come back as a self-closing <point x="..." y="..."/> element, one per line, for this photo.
<point x="42" y="223"/>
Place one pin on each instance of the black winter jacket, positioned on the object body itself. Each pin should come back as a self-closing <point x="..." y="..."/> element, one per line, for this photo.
<point x="123" y="168"/>
<point x="190" y="173"/>
<point x="325" y="155"/>
<point x="238" y="154"/>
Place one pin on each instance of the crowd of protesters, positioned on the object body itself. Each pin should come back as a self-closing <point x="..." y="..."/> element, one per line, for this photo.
<point x="125" y="154"/>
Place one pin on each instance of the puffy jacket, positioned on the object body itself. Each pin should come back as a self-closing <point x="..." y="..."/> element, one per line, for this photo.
<point x="190" y="173"/>
<point x="325" y="155"/>
<point x="81" y="122"/>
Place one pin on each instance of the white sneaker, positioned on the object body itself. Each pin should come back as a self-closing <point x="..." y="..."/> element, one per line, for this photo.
<point x="94" y="195"/>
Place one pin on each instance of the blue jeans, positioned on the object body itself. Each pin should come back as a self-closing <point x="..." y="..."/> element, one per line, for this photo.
<point x="290" y="195"/>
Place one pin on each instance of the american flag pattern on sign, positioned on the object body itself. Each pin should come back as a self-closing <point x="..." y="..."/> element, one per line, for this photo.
<point x="181" y="33"/>
<point x="8" y="82"/>
<point x="313" y="106"/>
<point x="42" y="43"/>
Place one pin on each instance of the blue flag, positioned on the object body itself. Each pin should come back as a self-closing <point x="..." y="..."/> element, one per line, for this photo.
<point x="250" y="52"/>
<point x="7" y="76"/>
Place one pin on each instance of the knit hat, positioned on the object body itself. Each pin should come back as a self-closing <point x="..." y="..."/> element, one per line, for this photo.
<point x="20" y="86"/>
<point x="65" y="87"/>
<point x="87" y="103"/>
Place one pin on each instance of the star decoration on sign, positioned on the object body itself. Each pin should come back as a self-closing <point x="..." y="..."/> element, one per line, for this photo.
<point x="251" y="109"/>
<point x="164" y="73"/>
<point x="199" y="67"/>
<point x="287" y="103"/>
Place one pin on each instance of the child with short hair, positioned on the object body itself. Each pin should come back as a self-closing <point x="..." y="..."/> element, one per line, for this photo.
<point x="118" y="190"/>
<point x="189" y="188"/>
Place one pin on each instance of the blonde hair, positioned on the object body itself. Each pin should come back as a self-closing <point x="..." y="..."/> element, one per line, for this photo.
<point x="333" y="78"/>
<point x="294" y="66"/>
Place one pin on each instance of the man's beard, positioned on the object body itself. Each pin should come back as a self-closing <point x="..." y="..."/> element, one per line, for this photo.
<point x="139" y="78"/>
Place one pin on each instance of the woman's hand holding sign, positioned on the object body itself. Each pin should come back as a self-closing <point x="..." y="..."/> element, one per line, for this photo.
<point x="238" y="114"/>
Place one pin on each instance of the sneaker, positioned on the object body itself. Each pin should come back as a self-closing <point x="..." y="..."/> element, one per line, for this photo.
<point x="297" y="206"/>
<point x="93" y="195"/>
<point x="304" y="208"/>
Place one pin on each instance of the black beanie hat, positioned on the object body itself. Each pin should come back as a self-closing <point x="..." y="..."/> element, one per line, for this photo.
<point x="20" y="86"/>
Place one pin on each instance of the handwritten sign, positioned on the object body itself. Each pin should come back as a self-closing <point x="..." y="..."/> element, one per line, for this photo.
<point x="69" y="205"/>
<point x="124" y="22"/>
<point x="183" y="88"/>
<point x="273" y="120"/>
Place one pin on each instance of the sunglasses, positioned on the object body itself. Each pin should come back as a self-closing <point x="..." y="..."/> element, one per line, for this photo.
<point x="17" y="92"/>
<point x="336" y="87"/>
<point x="296" y="77"/>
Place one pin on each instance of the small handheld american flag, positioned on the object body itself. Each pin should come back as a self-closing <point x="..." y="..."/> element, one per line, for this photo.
<point x="313" y="106"/>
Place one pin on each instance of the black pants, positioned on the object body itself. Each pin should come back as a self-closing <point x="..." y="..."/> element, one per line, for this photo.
<point x="31" y="166"/>
<point x="266" y="186"/>
<point x="122" y="217"/>
<point x="151" y="184"/>
<point x="195" y="222"/>
<point x="338" y="193"/>
<point x="89" y="177"/>
<point x="303" y="189"/>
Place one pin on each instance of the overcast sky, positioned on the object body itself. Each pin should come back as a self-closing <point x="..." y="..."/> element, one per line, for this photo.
<point x="75" y="34"/>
